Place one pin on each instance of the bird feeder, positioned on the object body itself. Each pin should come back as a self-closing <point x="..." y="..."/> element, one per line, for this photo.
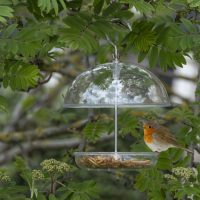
<point x="116" y="85"/>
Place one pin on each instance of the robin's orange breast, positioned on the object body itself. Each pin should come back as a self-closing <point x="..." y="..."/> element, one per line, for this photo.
<point x="148" y="135"/>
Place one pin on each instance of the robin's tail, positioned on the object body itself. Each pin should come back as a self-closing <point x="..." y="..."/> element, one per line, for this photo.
<point x="186" y="149"/>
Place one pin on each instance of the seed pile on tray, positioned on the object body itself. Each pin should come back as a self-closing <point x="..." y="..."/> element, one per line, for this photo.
<point x="110" y="162"/>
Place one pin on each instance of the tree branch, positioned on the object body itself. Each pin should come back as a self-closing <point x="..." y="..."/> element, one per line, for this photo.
<point x="47" y="145"/>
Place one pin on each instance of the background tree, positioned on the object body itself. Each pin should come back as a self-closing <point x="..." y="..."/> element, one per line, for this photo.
<point x="44" y="45"/>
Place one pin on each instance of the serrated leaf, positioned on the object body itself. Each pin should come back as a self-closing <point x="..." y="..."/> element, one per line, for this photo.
<point x="52" y="197"/>
<point x="23" y="83"/>
<point x="12" y="83"/>
<point x="93" y="194"/>
<point x="7" y="66"/>
<point x="162" y="60"/>
<point x="5" y="81"/>
<point x="98" y="7"/>
<point x="177" y="155"/>
<point x="162" y="35"/>
<point x="124" y="14"/>
<point x="16" y="66"/>
<point x="9" y="30"/>
<point x="14" y="46"/>
<point x="153" y="57"/>
<point x="142" y="56"/>
<point x="198" y="176"/>
<point x="169" y="59"/>
<point x="23" y="50"/>
<point x="191" y="28"/>
<point x="111" y="9"/>
<point x="72" y="22"/>
<point x="97" y="31"/>
<point x="174" y="188"/>
<point x="18" y="83"/>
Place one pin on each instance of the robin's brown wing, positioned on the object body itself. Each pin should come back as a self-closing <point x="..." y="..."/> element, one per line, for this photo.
<point x="165" y="136"/>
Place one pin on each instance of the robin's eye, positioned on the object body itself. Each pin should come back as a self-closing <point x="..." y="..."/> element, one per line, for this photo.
<point x="149" y="126"/>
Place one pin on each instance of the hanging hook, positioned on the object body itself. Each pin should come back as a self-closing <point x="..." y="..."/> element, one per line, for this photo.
<point x="116" y="55"/>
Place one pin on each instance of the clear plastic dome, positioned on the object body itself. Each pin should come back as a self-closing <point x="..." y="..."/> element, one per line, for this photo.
<point x="108" y="84"/>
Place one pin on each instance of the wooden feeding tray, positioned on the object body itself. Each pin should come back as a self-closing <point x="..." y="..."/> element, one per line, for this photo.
<point x="106" y="161"/>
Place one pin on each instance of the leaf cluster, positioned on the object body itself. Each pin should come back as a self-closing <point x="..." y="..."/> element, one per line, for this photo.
<point x="94" y="130"/>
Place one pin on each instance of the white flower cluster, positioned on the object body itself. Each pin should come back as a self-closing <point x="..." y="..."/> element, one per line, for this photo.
<point x="184" y="172"/>
<point x="53" y="165"/>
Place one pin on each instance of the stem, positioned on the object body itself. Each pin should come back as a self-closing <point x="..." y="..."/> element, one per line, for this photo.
<point x="52" y="185"/>
<point x="61" y="184"/>
<point x="44" y="186"/>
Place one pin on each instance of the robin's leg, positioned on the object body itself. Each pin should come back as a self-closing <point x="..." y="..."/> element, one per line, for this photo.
<point x="158" y="153"/>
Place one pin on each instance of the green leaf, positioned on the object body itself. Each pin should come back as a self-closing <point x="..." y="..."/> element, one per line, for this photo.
<point x="9" y="30"/>
<point x="76" y="198"/>
<point x="41" y="196"/>
<point x="124" y="115"/>
<point x="191" y="190"/>
<point x="72" y="22"/>
<point x="132" y="37"/>
<point x="23" y="50"/>
<point x="153" y="57"/>
<point x="14" y="46"/>
<point x="144" y="186"/>
<point x="5" y="11"/>
<point x="196" y="38"/>
<point x="98" y="7"/>
<point x="97" y="31"/>
<point x="23" y="83"/>
<point x="178" y="29"/>
<point x="162" y="60"/>
<point x="177" y="155"/>
<point x="198" y="176"/>
<point x="124" y="14"/>
<point x="176" y="182"/>
<point x="139" y="176"/>
<point x="162" y="35"/>
<point x="18" y="83"/>
<point x="176" y="188"/>
<point x="3" y="191"/>
<point x="12" y="83"/>
<point x="16" y="66"/>
<point x="93" y="194"/>
<point x="52" y="197"/>
<point x="186" y="161"/>
<point x="3" y="103"/>
<point x="102" y="27"/>
<point x="111" y="9"/>
<point x="180" y="194"/>
<point x="169" y="59"/>
<point x="5" y="81"/>
<point x="5" y="2"/>
<point x="139" y="148"/>
<point x="184" y="42"/>
<point x="55" y="5"/>
<point x="164" y="167"/>
<point x="92" y="40"/>
<point x="63" y="5"/>
<point x="66" y="194"/>
<point x="164" y="161"/>
<point x="142" y="56"/>
<point x="191" y="28"/>
<point x="7" y="66"/>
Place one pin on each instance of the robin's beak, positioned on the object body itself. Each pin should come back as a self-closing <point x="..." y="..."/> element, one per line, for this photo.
<point x="143" y="127"/>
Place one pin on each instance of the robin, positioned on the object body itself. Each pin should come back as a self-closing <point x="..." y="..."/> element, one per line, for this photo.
<point x="158" y="138"/>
